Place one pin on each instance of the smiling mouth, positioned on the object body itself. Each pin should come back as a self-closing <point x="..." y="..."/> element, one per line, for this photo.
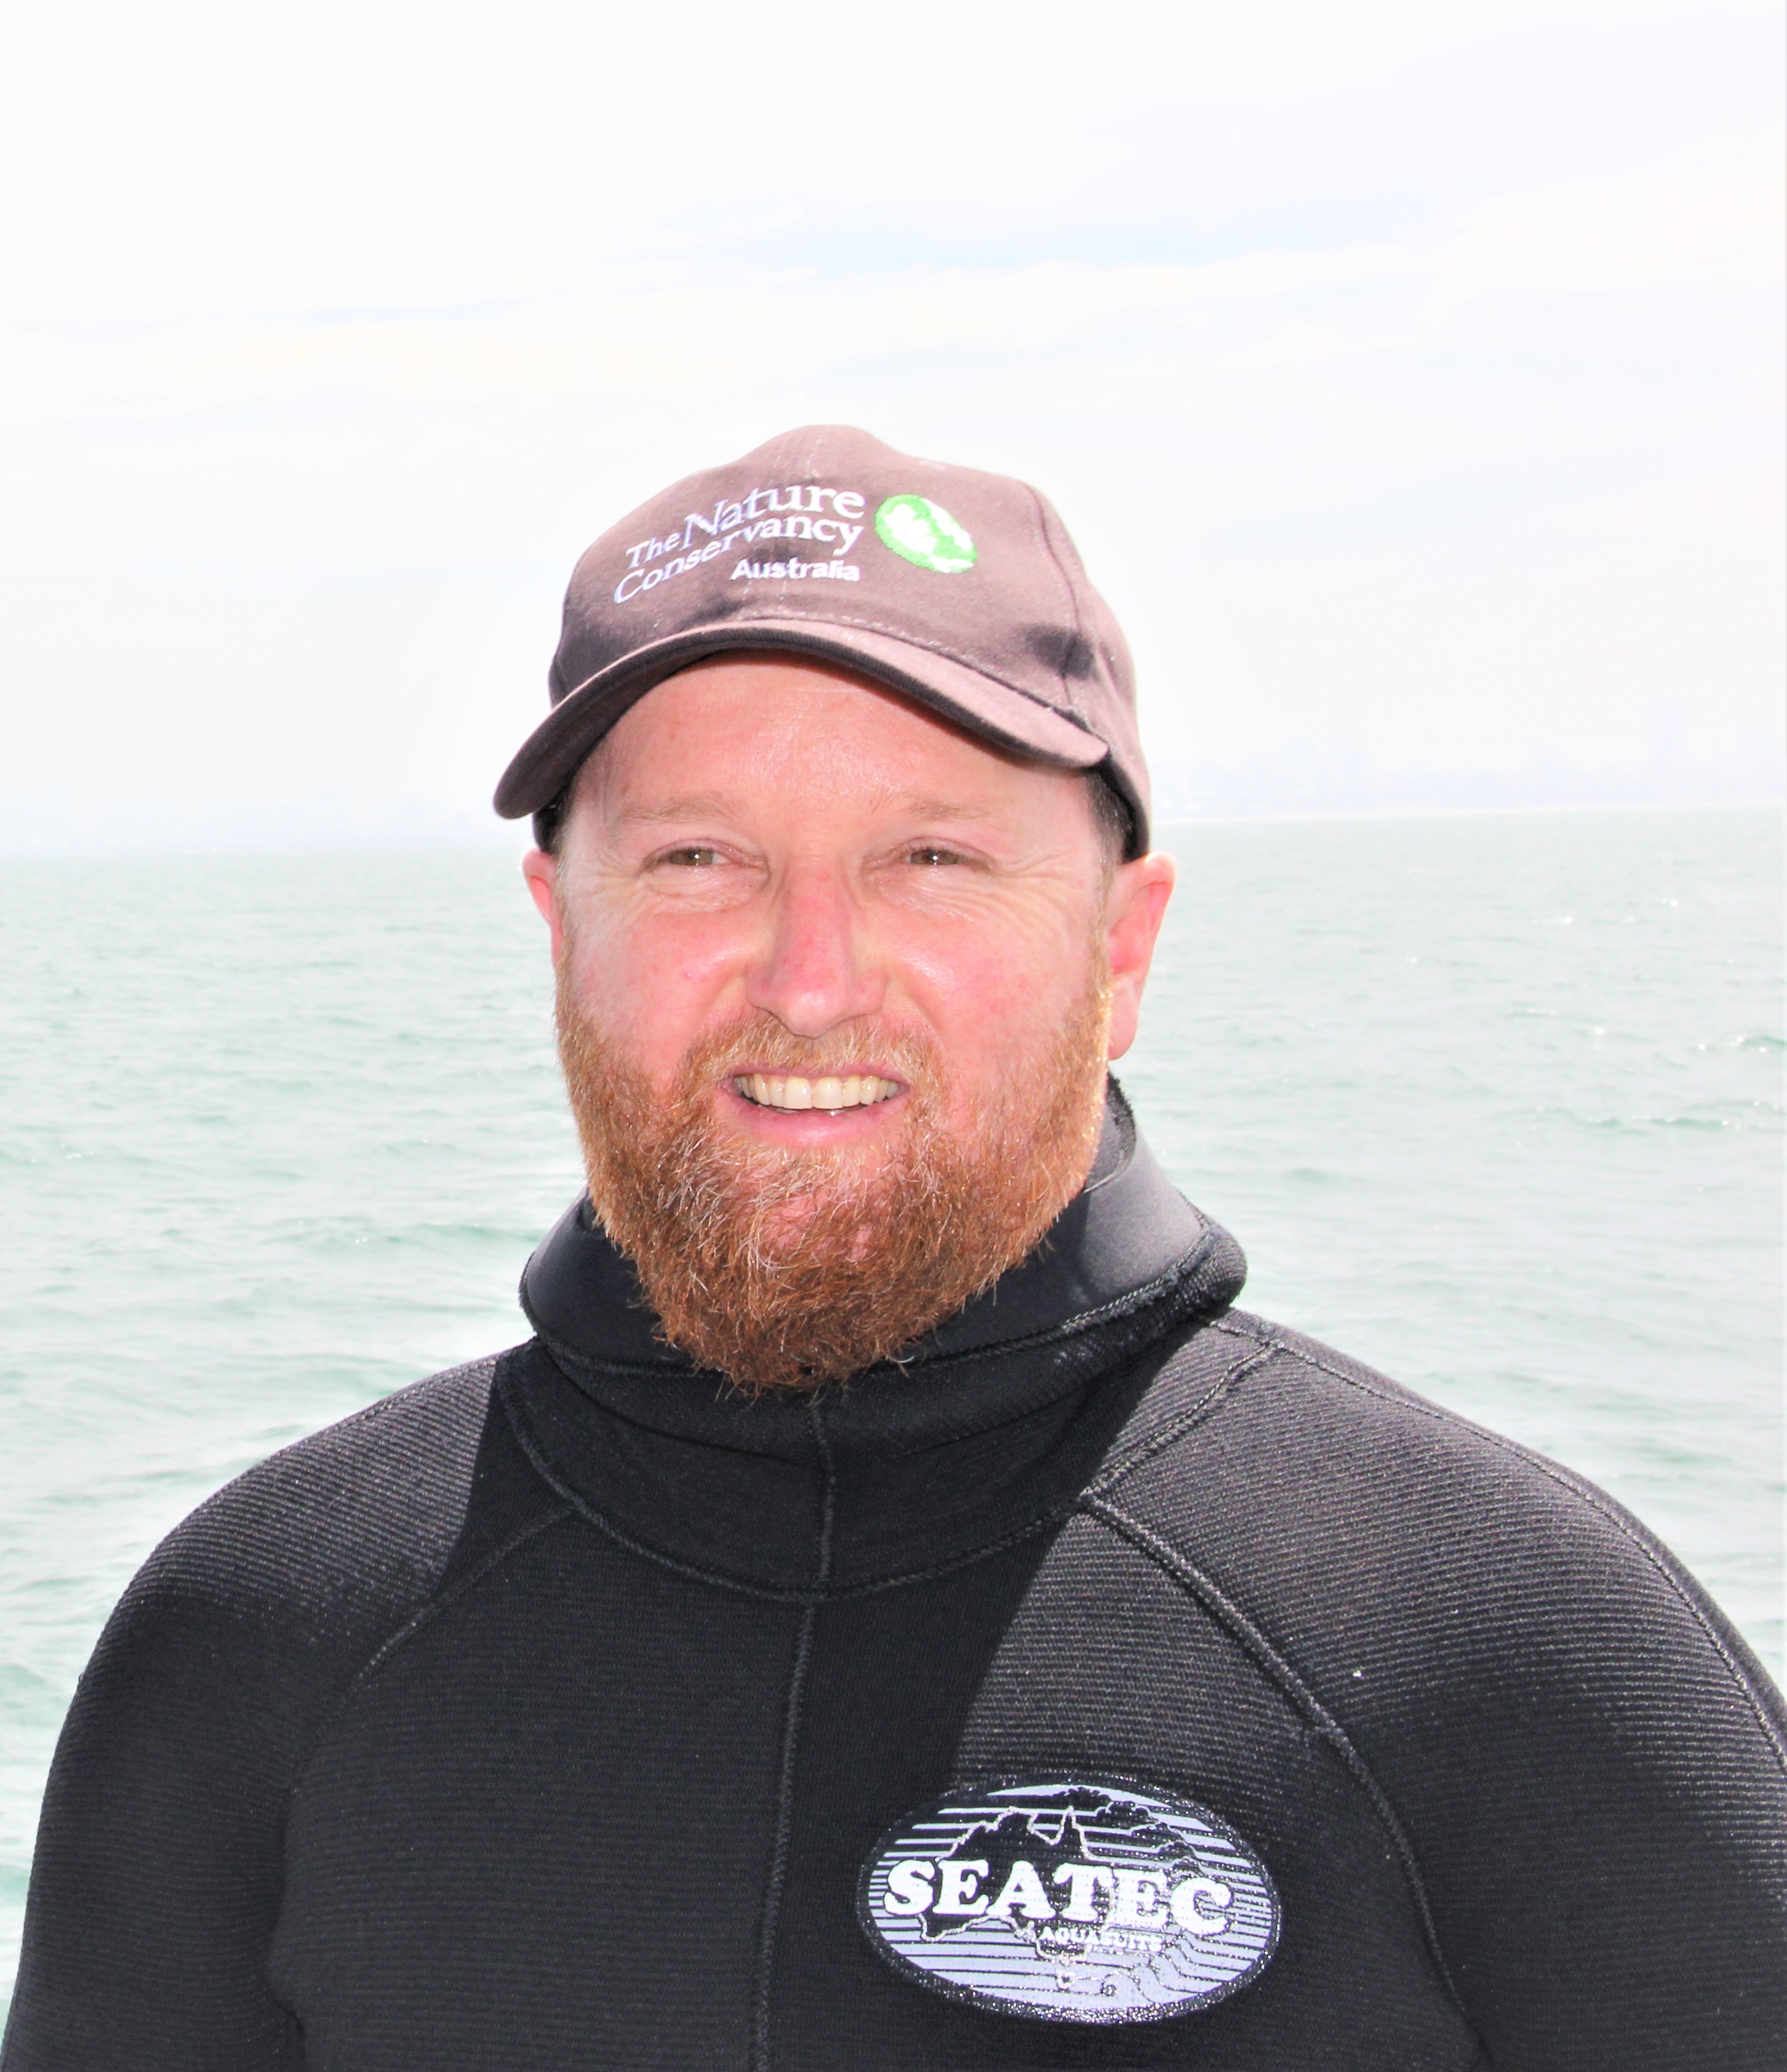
<point x="785" y="1090"/>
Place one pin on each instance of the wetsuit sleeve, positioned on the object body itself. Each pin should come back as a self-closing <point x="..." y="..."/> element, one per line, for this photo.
<point x="157" y="1883"/>
<point x="1591" y="1766"/>
<point x="1601" y="1820"/>
<point x="1583" y="1767"/>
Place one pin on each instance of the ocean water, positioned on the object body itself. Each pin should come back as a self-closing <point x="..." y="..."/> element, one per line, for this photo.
<point x="1495" y="1104"/>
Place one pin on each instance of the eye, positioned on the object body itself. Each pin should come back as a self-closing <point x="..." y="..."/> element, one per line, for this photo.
<point x="932" y="855"/>
<point x="695" y="856"/>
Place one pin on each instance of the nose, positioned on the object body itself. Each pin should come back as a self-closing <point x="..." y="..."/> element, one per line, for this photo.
<point x="818" y="968"/>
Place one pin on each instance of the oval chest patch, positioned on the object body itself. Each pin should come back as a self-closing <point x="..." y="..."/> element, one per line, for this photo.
<point x="1074" y="1898"/>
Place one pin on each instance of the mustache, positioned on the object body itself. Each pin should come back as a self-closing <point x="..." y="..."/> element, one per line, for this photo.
<point x="757" y="1042"/>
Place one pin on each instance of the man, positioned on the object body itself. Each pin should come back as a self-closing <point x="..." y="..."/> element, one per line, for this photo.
<point x="894" y="1612"/>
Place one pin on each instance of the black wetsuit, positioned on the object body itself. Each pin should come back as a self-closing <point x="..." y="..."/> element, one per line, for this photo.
<point x="543" y="1715"/>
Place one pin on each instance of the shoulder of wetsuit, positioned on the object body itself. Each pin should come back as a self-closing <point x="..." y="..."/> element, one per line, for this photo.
<point x="262" y="1605"/>
<point x="1588" y="1765"/>
<point x="344" y="1527"/>
<point x="1325" y="1490"/>
<point x="158" y="1853"/>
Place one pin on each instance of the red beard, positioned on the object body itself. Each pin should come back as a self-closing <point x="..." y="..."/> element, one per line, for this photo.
<point x="787" y="1269"/>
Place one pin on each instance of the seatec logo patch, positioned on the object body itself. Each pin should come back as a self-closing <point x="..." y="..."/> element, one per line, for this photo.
<point x="924" y="533"/>
<point x="1071" y="1898"/>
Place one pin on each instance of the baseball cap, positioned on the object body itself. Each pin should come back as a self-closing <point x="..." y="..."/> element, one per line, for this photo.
<point x="960" y="589"/>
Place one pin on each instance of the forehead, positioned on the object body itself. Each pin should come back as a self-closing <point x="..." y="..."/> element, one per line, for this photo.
<point x="785" y="732"/>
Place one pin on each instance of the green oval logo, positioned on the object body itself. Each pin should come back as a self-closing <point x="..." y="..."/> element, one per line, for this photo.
<point x="924" y="532"/>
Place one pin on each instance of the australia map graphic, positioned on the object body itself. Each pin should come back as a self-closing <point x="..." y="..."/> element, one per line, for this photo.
<point x="1082" y="1826"/>
<point x="1075" y="1898"/>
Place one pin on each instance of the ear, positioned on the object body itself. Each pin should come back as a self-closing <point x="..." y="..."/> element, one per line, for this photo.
<point x="541" y="870"/>
<point x="1134" y="908"/>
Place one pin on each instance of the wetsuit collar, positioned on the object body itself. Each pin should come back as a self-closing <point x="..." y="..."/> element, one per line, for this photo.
<point x="1128" y="1257"/>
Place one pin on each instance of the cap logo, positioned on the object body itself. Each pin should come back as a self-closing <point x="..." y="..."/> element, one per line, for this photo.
<point x="1070" y="1898"/>
<point x="924" y="533"/>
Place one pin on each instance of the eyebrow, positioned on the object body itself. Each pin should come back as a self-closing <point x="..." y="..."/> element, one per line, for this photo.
<point x="701" y="805"/>
<point x="922" y="808"/>
<point x="691" y="806"/>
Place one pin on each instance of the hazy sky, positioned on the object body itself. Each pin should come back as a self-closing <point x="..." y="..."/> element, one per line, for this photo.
<point x="1407" y="370"/>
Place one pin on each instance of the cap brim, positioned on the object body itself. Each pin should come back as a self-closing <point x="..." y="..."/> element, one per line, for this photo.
<point x="1010" y="719"/>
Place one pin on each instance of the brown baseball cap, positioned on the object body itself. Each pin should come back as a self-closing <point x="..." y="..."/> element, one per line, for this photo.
<point x="960" y="589"/>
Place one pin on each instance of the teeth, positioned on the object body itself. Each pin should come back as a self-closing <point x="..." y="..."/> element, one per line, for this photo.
<point x="860" y="1090"/>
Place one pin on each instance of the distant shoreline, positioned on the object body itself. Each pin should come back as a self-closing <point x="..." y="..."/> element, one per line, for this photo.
<point x="514" y="838"/>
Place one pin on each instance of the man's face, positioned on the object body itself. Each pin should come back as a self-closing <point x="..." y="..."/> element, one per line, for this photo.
<point x="840" y="963"/>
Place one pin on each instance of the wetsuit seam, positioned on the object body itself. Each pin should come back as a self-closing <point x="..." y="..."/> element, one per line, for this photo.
<point x="780" y="1593"/>
<point x="1175" y="1428"/>
<point x="780" y="1850"/>
<point x="1128" y="1304"/>
<point x="1195" y="1584"/>
<point x="773" y="1593"/>
<point x="1590" y="1499"/>
<point x="794" y="1594"/>
<point x="1117" y="1107"/>
<point x="1042" y="1522"/>
<point x="400" y="1636"/>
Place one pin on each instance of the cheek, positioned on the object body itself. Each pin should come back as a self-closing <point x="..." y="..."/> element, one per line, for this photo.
<point x="653" y="983"/>
<point x="997" y="998"/>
